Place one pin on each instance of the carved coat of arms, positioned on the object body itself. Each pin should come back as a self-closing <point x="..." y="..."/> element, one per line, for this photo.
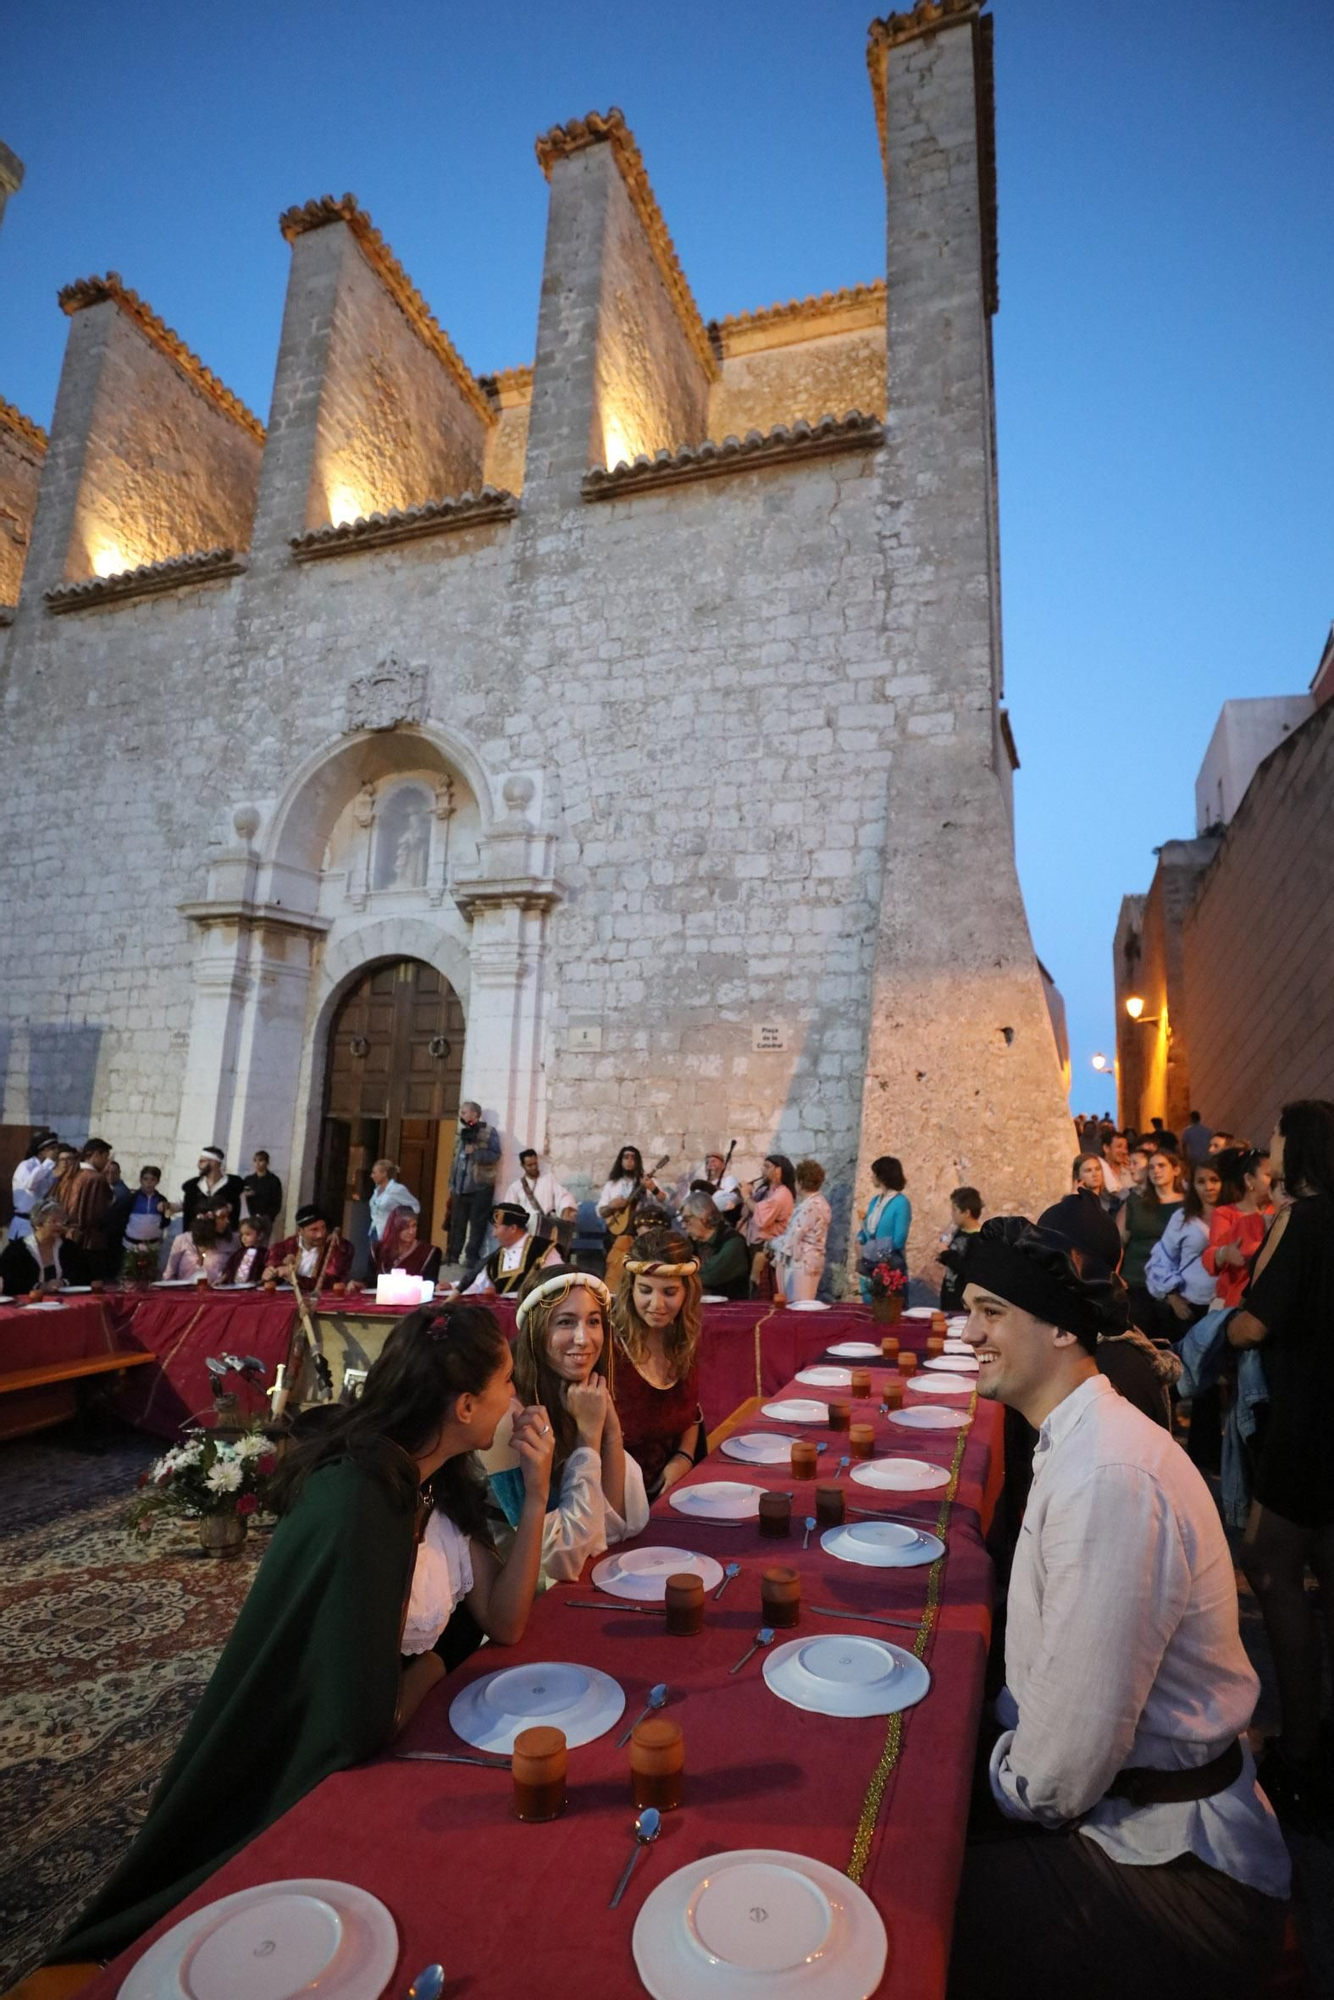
<point x="391" y="693"/>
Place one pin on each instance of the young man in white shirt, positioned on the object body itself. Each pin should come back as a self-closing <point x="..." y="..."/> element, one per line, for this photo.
<point x="539" y="1192"/>
<point x="1147" y="1862"/>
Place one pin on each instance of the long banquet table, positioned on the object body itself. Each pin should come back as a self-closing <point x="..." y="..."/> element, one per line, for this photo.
<point x="506" y="1906"/>
<point x="746" y="1349"/>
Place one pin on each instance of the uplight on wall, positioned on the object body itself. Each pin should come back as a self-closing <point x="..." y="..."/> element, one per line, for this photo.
<point x="345" y="504"/>
<point x="616" y="446"/>
<point x="108" y="559"/>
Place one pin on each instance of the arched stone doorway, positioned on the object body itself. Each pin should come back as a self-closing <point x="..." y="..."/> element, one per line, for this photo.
<point x="393" y="1077"/>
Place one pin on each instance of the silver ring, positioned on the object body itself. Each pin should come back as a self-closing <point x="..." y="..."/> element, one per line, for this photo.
<point x="546" y="1430"/>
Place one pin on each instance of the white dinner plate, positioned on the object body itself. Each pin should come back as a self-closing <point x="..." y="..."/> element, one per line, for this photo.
<point x="840" y="1673"/>
<point x="826" y="1378"/>
<point x="808" y="1305"/>
<point x="641" y="1574"/>
<point x="900" y="1475"/>
<point x="582" y="1701"/>
<point x="798" y="1410"/>
<point x="47" y="1306"/>
<point x="943" y="1385"/>
<point x="714" y="1299"/>
<point x="718" y="1500"/>
<point x="271" y="1942"/>
<point x="759" y="1448"/>
<point x="882" y="1544"/>
<point x="757" y="1921"/>
<point x="925" y="1417"/>
<point x="857" y="1350"/>
<point x="956" y="1364"/>
<point x="958" y="1347"/>
<point x="68" y="1291"/>
<point x="171" y="1284"/>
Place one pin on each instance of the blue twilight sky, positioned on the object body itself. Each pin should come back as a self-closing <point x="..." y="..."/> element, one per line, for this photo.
<point x="1163" y="347"/>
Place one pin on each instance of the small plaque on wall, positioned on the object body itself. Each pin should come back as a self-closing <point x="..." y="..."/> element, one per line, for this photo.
<point x="768" y="1039"/>
<point x="586" y="1038"/>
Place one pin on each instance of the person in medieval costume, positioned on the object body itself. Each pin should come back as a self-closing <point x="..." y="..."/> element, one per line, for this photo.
<point x="516" y="1253"/>
<point x="383" y="1536"/>
<point x="315" y="1256"/>
<point x="400" y="1247"/>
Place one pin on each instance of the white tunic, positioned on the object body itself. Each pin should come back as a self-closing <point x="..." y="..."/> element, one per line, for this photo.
<point x="441" y="1579"/>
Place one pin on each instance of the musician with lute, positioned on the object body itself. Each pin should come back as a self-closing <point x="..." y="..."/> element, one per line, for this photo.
<point x="626" y="1187"/>
<point x="315" y="1257"/>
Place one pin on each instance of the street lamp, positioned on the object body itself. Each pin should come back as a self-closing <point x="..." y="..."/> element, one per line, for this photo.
<point x="1100" y="1061"/>
<point x="1134" y="1006"/>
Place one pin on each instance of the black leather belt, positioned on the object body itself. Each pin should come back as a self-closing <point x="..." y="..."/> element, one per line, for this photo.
<point x="1144" y="1787"/>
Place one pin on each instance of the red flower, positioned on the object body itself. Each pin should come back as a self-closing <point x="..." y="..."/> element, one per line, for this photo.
<point x="247" y="1504"/>
<point x="142" y="1480"/>
<point x="267" y="1464"/>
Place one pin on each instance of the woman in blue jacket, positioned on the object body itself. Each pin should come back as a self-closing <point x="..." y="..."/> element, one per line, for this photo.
<point x="883" y="1236"/>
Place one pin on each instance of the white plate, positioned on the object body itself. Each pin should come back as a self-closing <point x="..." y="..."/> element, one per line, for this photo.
<point x="900" y="1475"/>
<point x="582" y="1701"/>
<point x="943" y="1385"/>
<point x="718" y="1500"/>
<point x="759" y="1922"/>
<point x="69" y="1291"/>
<point x="857" y="1350"/>
<point x="800" y="1410"/>
<point x="881" y="1544"/>
<point x="171" y="1284"/>
<point x="47" y="1306"/>
<point x="808" y="1305"/>
<point x="714" y="1299"/>
<point x="925" y="1417"/>
<point x="840" y="1673"/>
<point x="759" y="1448"/>
<point x="641" y="1574"/>
<point x="957" y="1364"/>
<point x="271" y="1942"/>
<point x="826" y="1378"/>
<point x="959" y="1347"/>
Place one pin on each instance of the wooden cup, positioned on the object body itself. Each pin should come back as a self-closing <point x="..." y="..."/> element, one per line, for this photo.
<point x="830" y="1506"/>
<point x="657" y="1764"/>
<point x="907" y="1363"/>
<point x="861" y="1440"/>
<point x="840" y="1416"/>
<point x="892" y="1392"/>
<point x="684" y="1604"/>
<point x="861" y="1383"/>
<point x="776" y="1515"/>
<point x="804" y="1459"/>
<point x="935" y="1343"/>
<point x="889" y="1347"/>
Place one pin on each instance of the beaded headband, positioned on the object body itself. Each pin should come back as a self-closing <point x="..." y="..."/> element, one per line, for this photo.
<point x="651" y="1269"/>
<point x="559" y="1287"/>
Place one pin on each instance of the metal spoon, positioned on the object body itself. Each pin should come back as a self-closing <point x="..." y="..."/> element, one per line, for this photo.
<point x="843" y="1465"/>
<point x="429" y="1983"/>
<point x="733" y="1569"/>
<point x="657" y="1698"/>
<point x="764" y="1637"/>
<point x="646" y="1832"/>
<point x="810" y="1529"/>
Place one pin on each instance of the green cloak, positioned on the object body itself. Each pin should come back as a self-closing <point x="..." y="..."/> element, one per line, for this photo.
<point x="307" y="1684"/>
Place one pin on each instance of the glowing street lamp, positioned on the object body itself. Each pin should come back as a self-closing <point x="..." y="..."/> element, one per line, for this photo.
<point x="1100" y="1061"/>
<point x="1134" y="1006"/>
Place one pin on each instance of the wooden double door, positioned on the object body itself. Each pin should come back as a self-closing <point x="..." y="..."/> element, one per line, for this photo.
<point x="392" y="1082"/>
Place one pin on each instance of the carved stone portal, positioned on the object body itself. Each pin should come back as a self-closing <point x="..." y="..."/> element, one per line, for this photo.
<point x="391" y="693"/>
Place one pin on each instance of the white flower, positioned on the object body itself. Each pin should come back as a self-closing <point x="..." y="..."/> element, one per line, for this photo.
<point x="224" y="1477"/>
<point x="253" y="1445"/>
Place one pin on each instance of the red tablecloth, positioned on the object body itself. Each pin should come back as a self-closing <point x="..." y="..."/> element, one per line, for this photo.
<point x="70" y="1330"/>
<point x="885" y="1801"/>
<point x="183" y="1329"/>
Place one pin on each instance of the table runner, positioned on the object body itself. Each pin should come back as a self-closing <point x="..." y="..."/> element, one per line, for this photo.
<point x="884" y="1800"/>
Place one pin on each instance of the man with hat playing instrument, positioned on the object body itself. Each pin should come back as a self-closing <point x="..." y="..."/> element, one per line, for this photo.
<point x="517" y="1253"/>
<point x="210" y="1186"/>
<point x="1142" y="1856"/>
<point x="315" y="1256"/>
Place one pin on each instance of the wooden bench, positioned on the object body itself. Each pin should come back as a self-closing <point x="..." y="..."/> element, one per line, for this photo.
<point x="50" y="1394"/>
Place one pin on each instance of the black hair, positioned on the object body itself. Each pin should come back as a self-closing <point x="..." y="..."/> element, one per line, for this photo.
<point x="150" y="1170"/>
<point x="429" y="1360"/>
<point x="260" y="1154"/>
<point x="1191" y="1205"/>
<point x="615" y="1174"/>
<point x="889" y="1172"/>
<point x="1307" y="1126"/>
<point x="786" y="1169"/>
<point x="969" y="1200"/>
<point x="530" y="1153"/>
<point x="1150" y="1196"/>
<point x="1232" y="1166"/>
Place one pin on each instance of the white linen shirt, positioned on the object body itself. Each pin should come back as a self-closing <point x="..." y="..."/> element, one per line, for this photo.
<point x="548" y="1198"/>
<point x="441" y="1579"/>
<point x="1122" y="1647"/>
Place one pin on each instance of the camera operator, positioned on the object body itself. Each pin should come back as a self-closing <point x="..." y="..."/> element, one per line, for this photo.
<point x="472" y="1186"/>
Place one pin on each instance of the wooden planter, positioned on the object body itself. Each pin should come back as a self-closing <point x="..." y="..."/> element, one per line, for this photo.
<point x="222" y="1534"/>
<point x="887" y="1308"/>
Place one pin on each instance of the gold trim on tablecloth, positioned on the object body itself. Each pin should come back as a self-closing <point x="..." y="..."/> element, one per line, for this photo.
<point x="889" y="1755"/>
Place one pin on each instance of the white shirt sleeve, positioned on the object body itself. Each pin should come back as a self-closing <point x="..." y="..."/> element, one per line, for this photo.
<point x="576" y="1527"/>
<point x="620" y="1527"/>
<point x="441" y="1579"/>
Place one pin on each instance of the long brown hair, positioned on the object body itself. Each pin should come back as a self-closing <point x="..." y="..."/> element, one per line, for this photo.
<point x="660" y="1246"/>
<point x="535" y="1379"/>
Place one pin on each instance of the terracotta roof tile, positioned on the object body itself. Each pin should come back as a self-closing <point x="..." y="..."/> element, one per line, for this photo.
<point x="830" y="435"/>
<point x="199" y="566"/>
<point x="610" y="128"/>
<point x="298" y="221"/>
<point x="407" y="524"/>
<point x="23" y="427"/>
<point x="92" y="291"/>
<point x="857" y="305"/>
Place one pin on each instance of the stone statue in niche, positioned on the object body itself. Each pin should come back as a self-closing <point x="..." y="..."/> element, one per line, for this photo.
<point x="403" y="839"/>
<point x="391" y="693"/>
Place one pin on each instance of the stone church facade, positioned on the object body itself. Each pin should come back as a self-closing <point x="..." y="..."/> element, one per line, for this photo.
<point x="650" y="697"/>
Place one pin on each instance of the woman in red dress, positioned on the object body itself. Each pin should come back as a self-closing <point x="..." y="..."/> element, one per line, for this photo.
<point x="653" y="1367"/>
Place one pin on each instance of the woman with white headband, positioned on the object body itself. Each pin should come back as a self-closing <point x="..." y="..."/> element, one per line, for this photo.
<point x="597" y="1492"/>
<point x="654" y="1372"/>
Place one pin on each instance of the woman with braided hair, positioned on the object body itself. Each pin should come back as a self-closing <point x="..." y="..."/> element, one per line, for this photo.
<point x="383" y="1535"/>
<point x="654" y="1372"/>
<point x="597" y="1492"/>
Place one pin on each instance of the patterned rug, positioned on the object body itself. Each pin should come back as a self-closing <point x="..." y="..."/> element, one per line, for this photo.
<point x="109" y="1642"/>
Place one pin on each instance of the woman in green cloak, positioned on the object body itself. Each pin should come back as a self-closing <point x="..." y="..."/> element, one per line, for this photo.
<point x="383" y="1534"/>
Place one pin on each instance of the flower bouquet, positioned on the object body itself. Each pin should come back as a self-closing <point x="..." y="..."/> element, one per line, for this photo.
<point x="889" y="1288"/>
<point x="139" y="1268"/>
<point x="220" y="1485"/>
